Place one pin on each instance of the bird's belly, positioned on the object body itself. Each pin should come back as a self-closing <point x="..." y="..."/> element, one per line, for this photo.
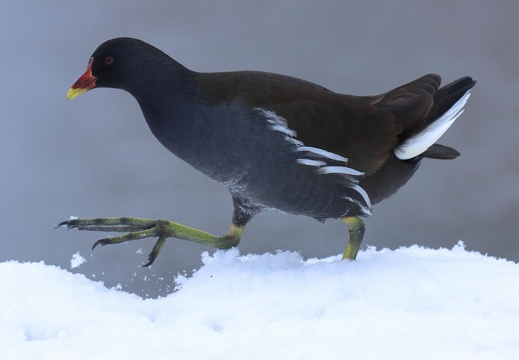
<point x="295" y="190"/>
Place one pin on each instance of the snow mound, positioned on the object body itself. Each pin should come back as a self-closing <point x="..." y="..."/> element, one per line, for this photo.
<point x="409" y="303"/>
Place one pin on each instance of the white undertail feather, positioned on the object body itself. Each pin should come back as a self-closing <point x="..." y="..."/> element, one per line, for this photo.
<point x="420" y="142"/>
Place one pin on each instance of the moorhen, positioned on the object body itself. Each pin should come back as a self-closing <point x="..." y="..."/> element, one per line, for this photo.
<point x="276" y="142"/>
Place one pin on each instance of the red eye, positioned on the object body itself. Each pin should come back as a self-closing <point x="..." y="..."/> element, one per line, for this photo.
<point x="109" y="60"/>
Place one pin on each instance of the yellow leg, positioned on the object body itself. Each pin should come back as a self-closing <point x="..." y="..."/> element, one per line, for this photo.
<point x="138" y="228"/>
<point x="356" y="230"/>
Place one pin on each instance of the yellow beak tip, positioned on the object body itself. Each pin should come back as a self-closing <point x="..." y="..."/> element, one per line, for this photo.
<point x="74" y="93"/>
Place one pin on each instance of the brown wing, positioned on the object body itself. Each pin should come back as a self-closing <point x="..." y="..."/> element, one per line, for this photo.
<point x="364" y="129"/>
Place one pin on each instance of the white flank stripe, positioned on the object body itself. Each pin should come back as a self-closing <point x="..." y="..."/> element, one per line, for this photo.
<point x="278" y="123"/>
<point x="310" y="162"/>
<point x="366" y="198"/>
<point x="420" y="142"/>
<point x="339" y="170"/>
<point x="366" y="211"/>
<point x="282" y="128"/>
<point x="323" y="153"/>
<point x="294" y="141"/>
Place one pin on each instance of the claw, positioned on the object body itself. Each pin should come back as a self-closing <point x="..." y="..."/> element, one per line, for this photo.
<point x="70" y="223"/>
<point x="150" y="261"/>
<point x="156" y="250"/>
<point x="101" y="242"/>
<point x="63" y="223"/>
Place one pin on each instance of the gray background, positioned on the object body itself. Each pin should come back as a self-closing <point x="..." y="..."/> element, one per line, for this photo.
<point x="95" y="156"/>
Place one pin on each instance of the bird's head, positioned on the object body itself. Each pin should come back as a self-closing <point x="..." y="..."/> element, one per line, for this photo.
<point x="121" y="63"/>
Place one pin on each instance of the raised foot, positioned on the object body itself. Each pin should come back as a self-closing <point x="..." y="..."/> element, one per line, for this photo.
<point x="139" y="228"/>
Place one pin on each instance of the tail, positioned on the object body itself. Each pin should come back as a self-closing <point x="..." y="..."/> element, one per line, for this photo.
<point x="448" y="103"/>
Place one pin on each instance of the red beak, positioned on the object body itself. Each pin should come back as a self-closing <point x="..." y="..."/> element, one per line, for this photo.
<point x="86" y="82"/>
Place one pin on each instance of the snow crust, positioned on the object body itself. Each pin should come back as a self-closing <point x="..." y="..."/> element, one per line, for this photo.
<point x="409" y="303"/>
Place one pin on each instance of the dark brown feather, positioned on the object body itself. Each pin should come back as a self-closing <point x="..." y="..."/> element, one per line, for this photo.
<point x="364" y="129"/>
<point x="441" y="152"/>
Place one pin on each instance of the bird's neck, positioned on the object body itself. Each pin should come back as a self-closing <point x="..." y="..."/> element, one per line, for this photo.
<point x="166" y="105"/>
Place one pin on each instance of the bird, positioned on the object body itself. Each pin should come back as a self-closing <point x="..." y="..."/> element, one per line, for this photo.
<point x="278" y="143"/>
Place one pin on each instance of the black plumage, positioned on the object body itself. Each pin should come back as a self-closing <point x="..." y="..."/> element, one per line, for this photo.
<point x="275" y="141"/>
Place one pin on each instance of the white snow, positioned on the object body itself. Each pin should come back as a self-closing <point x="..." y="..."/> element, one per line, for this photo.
<point x="411" y="303"/>
<point x="77" y="260"/>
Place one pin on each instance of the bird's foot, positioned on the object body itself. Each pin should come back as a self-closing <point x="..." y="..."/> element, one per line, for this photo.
<point x="356" y="230"/>
<point x="138" y="228"/>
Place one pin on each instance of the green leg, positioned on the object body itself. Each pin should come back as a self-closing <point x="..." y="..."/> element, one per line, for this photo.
<point x="139" y="228"/>
<point x="356" y="229"/>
